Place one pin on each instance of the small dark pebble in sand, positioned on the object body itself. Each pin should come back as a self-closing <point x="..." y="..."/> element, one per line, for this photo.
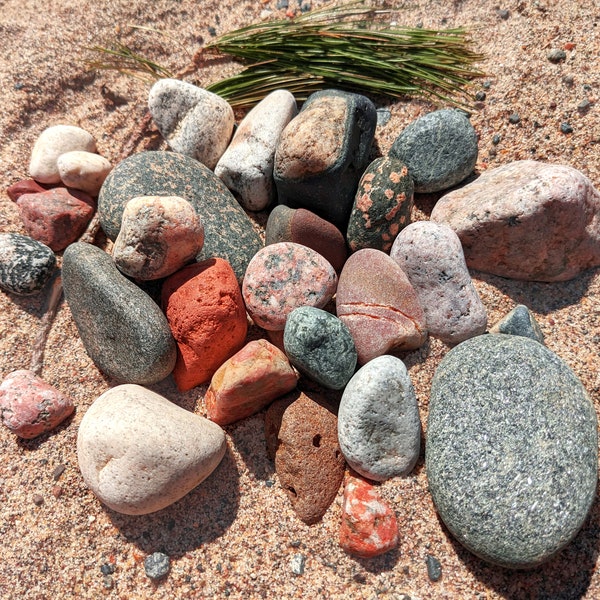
<point x="58" y="471"/>
<point x="480" y="96"/>
<point x="514" y="118"/>
<point x="107" y="569"/>
<point x="434" y="568"/>
<point x="157" y="565"/>
<point x="496" y="139"/>
<point x="503" y="13"/>
<point x="566" y="128"/>
<point x="38" y="499"/>
<point x="555" y="56"/>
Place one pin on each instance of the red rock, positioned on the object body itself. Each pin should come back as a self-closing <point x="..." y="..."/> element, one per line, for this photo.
<point x="25" y="186"/>
<point x="369" y="526"/>
<point x="206" y="314"/>
<point x="29" y="406"/>
<point x="255" y="376"/>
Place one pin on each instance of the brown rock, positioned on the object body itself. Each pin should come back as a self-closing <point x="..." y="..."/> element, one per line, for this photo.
<point x="25" y="186"/>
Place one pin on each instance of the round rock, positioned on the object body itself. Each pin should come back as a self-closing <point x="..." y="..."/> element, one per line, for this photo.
<point x="84" y="171"/>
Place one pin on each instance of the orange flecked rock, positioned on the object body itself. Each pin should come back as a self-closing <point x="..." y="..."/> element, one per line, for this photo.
<point x="369" y="526"/>
<point x="205" y="311"/>
<point x="255" y="376"/>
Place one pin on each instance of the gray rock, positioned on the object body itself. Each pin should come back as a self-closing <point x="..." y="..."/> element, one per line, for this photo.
<point x="519" y="321"/>
<point x="512" y="449"/>
<point x="379" y="430"/>
<point x="157" y="565"/>
<point x="440" y="150"/>
<point x="123" y="330"/>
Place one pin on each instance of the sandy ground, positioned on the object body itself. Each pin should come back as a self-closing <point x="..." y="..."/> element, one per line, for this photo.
<point x="235" y="535"/>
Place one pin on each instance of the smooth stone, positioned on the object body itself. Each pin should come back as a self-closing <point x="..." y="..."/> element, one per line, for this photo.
<point x="24" y="186"/>
<point x="377" y="303"/>
<point x="124" y="332"/>
<point x="25" y="264"/>
<point x="29" y="406"/>
<point x="319" y="345"/>
<point x="157" y="565"/>
<point x="138" y="452"/>
<point x="84" y="171"/>
<point x="206" y="313"/>
<point x="379" y="429"/>
<point x="432" y="257"/>
<point x="247" y="382"/>
<point x="382" y="205"/>
<point x="193" y="121"/>
<point x="526" y="220"/>
<point x="285" y="276"/>
<point x="323" y="152"/>
<point x="53" y="142"/>
<point x="246" y="167"/>
<point x="228" y="232"/>
<point x="439" y="149"/>
<point x="512" y="449"/>
<point x="519" y="321"/>
<point x="158" y="236"/>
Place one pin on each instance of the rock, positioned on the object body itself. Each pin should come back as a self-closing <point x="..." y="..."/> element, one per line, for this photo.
<point x="382" y="312"/>
<point x="193" y="121"/>
<point x="24" y="186"/>
<point x="84" y="171"/>
<point x="25" y="264"/>
<point x="29" y="406"/>
<point x="369" y="526"/>
<point x="519" y="321"/>
<point x="138" y="452"/>
<point x="206" y="314"/>
<point x="228" y="232"/>
<point x="526" y="220"/>
<point x="53" y="142"/>
<point x="382" y="205"/>
<point x="247" y="382"/>
<point x="512" y="451"/>
<point x="319" y="345"/>
<point x="434" y="568"/>
<point x="439" y="149"/>
<point x="326" y="147"/>
<point x="285" y="276"/>
<point x="56" y="217"/>
<point x="431" y="256"/>
<point x="301" y="226"/>
<point x="158" y="236"/>
<point x="379" y="429"/>
<point x="297" y="563"/>
<point x="246" y="167"/>
<point x="157" y="565"/>
<point x="124" y="332"/>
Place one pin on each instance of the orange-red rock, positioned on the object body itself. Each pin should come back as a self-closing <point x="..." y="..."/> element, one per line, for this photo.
<point x="204" y="307"/>
<point x="248" y="381"/>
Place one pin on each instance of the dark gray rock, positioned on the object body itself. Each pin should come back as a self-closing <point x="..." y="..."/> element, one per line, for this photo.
<point x="512" y="449"/>
<point x="25" y="264"/>
<point x="123" y="330"/>
<point x="440" y="150"/>
<point x="519" y="321"/>
<point x="157" y="565"/>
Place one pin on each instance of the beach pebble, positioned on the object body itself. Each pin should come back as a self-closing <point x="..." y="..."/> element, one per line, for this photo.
<point x="519" y="321"/>
<point x="432" y="257"/>
<point x="247" y="382"/>
<point x="285" y="276"/>
<point x="323" y="152"/>
<point x="138" y="452"/>
<point x="206" y="314"/>
<point x="193" y="121"/>
<point x="526" y="220"/>
<point x="512" y="449"/>
<point x="24" y="186"/>
<point x="124" y="332"/>
<point x="158" y="236"/>
<point x="25" y="264"/>
<point x="319" y="345"/>
<point x="382" y="205"/>
<point x="440" y="150"/>
<point x="246" y="167"/>
<point x="369" y="526"/>
<point x="434" y="568"/>
<point x="29" y="406"/>
<point x="379" y="429"/>
<point x="53" y="142"/>
<point x="382" y="312"/>
<point x="84" y="171"/>
<point x="157" y="565"/>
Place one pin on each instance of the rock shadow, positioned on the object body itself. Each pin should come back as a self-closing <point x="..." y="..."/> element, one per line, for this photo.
<point x="379" y="564"/>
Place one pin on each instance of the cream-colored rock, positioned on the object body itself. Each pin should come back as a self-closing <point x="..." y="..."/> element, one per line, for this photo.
<point x="138" y="452"/>
<point x="84" y="171"/>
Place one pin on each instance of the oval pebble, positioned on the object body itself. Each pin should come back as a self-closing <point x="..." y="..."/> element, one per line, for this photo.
<point x="84" y="171"/>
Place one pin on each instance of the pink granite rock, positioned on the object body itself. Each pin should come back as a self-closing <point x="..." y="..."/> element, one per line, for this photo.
<point x="379" y="305"/>
<point x="30" y="406"/>
<point x="526" y="220"/>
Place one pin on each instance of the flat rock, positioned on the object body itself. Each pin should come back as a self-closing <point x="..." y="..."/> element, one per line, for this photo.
<point x="526" y="220"/>
<point x="83" y="171"/>
<point x="519" y="321"/>
<point x="512" y="449"/>
<point x="138" y="452"/>
<point x="24" y="186"/>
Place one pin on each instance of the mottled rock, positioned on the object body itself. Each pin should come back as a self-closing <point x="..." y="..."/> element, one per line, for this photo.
<point x="512" y="449"/>
<point x="526" y="220"/>
<point x="431" y="256"/>
<point x="519" y="321"/>
<point x="157" y="565"/>
<point x="124" y="332"/>
<point x="84" y="171"/>
<point x="24" y="186"/>
<point x="138" y="452"/>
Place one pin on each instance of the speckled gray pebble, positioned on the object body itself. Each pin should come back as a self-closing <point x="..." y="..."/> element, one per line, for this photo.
<point x="157" y="565"/>
<point x="512" y="449"/>
<point x="378" y="421"/>
<point x="519" y="321"/>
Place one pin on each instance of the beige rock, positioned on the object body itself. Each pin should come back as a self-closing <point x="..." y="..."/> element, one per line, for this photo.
<point x="84" y="171"/>
<point x="138" y="452"/>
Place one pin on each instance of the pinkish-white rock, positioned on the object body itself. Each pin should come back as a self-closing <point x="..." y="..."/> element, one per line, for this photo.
<point x="84" y="171"/>
<point x="526" y="220"/>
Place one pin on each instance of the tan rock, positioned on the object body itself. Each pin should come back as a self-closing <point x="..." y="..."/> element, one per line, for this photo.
<point x="84" y="171"/>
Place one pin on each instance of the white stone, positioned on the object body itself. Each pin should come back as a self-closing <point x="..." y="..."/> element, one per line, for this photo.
<point x="84" y="171"/>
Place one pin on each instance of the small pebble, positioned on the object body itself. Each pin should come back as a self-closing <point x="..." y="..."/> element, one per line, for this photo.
<point x="496" y="139"/>
<point x="556" y="55"/>
<point x="568" y="80"/>
<point x="503" y="13"/>
<point x="383" y="116"/>
<point x="57" y="491"/>
<point x="157" y="565"/>
<point x="584" y="105"/>
<point x="107" y="569"/>
<point x="434" y="568"/>
<point x="566" y="128"/>
<point x="58" y="471"/>
<point x="38" y="499"/>
<point x="297" y="563"/>
<point x="514" y="119"/>
<point x="480" y="96"/>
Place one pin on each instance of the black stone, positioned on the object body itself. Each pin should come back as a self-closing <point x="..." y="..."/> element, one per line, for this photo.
<point x="434" y="568"/>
